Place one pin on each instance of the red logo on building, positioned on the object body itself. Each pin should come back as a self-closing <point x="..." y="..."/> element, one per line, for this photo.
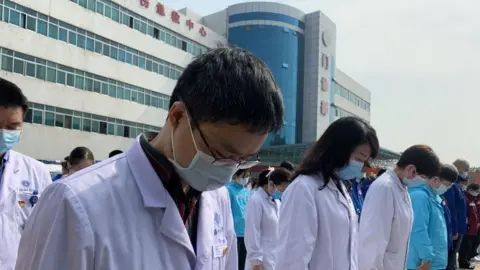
<point x="324" y="84"/>
<point x="324" y="107"/>
<point x="145" y="3"/>
<point x="189" y="24"/>
<point x="175" y="17"/>
<point x="202" y="31"/>
<point x="160" y="9"/>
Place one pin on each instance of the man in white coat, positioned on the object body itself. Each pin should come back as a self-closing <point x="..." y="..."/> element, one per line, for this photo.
<point x="22" y="179"/>
<point x="387" y="214"/>
<point x="163" y="204"/>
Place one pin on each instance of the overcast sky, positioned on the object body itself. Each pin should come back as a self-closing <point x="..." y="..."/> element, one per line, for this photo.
<point x="420" y="60"/>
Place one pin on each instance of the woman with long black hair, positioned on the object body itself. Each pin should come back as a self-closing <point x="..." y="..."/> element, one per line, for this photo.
<point x="318" y="223"/>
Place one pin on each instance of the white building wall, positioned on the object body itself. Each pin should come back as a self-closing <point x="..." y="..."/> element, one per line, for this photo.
<point x="54" y="143"/>
<point x="353" y="86"/>
<point x="57" y="142"/>
<point x="218" y="22"/>
<point x="316" y="69"/>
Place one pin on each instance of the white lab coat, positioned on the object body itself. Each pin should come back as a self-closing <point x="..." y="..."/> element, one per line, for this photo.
<point x="385" y="225"/>
<point x="261" y="229"/>
<point x="117" y="215"/>
<point x="317" y="228"/>
<point x="21" y="177"/>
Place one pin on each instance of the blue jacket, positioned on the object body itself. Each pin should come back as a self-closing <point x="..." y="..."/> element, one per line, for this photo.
<point x="356" y="195"/>
<point x="238" y="199"/>
<point x="458" y="209"/>
<point x="448" y="222"/>
<point x="365" y="185"/>
<point x="428" y="241"/>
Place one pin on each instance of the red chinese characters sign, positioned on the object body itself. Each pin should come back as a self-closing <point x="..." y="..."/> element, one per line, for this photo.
<point x="175" y="17"/>
<point x="202" y="31"/>
<point x="324" y="84"/>
<point x="145" y="3"/>
<point x="189" y="24"/>
<point x="324" y="107"/>
<point x="160" y="9"/>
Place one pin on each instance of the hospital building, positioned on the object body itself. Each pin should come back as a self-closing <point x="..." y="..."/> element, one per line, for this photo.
<point x="97" y="73"/>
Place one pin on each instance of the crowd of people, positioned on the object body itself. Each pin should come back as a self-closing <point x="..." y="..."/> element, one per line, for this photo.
<point x="184" y="198"/>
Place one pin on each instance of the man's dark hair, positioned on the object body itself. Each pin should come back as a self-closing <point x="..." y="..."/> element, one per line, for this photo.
<point x="287" y="165"/>
<point x="473" y="187"/>
<point x="239" y="172"/>
<point x="11" y="96"/>
<point x="422" y="156"/>
<point x="448" y="172"/>
<point x="114" y="153"/>
<point x="232" y="86"/>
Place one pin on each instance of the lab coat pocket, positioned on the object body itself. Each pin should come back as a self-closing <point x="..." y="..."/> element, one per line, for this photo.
<point x="219" y="251"/>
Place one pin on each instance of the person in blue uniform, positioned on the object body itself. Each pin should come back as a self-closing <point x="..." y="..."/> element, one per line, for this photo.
<point x="238" y="197"/>
<point x="458" y="210"/>
<point x="354" y="189"/>
<point x="448" y="173"/>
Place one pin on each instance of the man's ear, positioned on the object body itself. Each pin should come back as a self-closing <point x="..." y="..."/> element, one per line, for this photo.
<point x="175" y="113"/>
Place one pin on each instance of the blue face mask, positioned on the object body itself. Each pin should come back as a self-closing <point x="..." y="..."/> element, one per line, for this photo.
<point x="441" y="189"/>
<point x="351" y="171"/>
<point x="8" y="139"/>
<point x="416" y="181"/>
<point x="277" y="195"/>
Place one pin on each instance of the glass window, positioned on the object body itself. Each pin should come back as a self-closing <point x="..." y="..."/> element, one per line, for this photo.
<point x="111" y="91"/>
<point x="37" y="117"/>
<point x="95" y="126"/>
<point x="41" y="72"/>
<point x="91" y="5"/>
<point x="68" y="122"/>
<point x="49" y="119"/>
<point x="53" y="31"/>
<point x="108" y="11"/>
<point x="88" y="84"/>
<point x="98" y="47"/>
<point x="103" y="127"/>
<point x="61" y="77"/>
<point x="83" y="3"/>
<point x="19" y="66"/>
<point x="100" y="7"/>
<point x="87" y="124"/>
<point x="106" y="50"/>
<point x="81" y="41"/>
<point x="72" y="38"/>
<point x="114" y="53"/>
<point x="97" y="87"/>
<point x="62" y="34"/>
<point x="51" y="75"/>
<point x="7" y="63"/>
<point x="119" y="92"/>
<point x="90" y="44"/>
<point x="111" y="129"/>
<point x="79" y="82"/>
<point x="59" y="118"/>
<point x="31" y="23"/>
<point x="70" y="79"/>
<point x="42" y="27"/>
<point x="76" y="123"/>
<point x="14" y="17"/>
<point x="105" y="88"/>
<point x="28" y="116"/>
<point x="115" y="15"/>
<point x="30" y="69"/>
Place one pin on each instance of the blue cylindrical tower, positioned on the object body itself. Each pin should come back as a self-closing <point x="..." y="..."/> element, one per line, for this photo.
<point x="275" y="33"/>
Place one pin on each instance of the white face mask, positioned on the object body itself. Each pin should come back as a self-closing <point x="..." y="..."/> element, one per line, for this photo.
<point x="243" y="181"/>
<point x="202" y="174"/>
<point x="416" y="181"/>
<point x="474" y="193"/>
<point x="464" y="175"/>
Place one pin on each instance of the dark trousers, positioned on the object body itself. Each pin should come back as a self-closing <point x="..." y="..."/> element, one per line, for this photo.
<point x="452" y="254"/>
<point x="242" y="253"/>
<point x="468" y="250"/>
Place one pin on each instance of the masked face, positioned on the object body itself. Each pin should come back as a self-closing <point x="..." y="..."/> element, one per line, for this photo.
<point x="11" y="121"/>
<point x="351" y="171"/>
<point x="206" y="158"/>
<point x="413" y="179"/>
<point x="441" y="189"/>
<point x="474" y="193"/>
<point x="8" y="139"/>
<point x="243" y="181"/>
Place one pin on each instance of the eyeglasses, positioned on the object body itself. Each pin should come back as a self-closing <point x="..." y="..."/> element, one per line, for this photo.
<point x="221" y="161"/>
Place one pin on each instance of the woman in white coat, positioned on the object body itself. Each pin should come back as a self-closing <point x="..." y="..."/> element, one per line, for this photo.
<point x="318" y="222"/>
<point x="261" y="219"/>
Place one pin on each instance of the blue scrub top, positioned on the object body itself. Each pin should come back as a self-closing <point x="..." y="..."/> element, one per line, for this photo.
<point x="238" y="200"/>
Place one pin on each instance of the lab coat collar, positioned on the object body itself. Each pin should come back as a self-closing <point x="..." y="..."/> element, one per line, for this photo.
<point x="343" y="198"/>
<point x="151" y="188"/>
<point x="397" y="180"/>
